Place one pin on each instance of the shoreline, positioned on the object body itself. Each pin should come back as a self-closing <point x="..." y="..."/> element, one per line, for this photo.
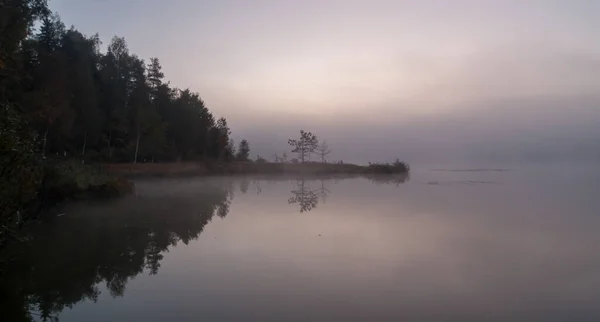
<point x="198" y="168"/>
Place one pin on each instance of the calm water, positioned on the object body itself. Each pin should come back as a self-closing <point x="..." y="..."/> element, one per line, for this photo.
<point x="518" y="245"/>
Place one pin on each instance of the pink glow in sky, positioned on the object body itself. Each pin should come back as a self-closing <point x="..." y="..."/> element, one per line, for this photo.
<point x="408" y="77"/>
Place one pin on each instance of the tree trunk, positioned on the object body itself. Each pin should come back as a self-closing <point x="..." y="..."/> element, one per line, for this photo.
<point x="137" y="145"/>
<point x="45" y="139"/>
<point x="83" y="148"/>
<point x="109" y="146"/>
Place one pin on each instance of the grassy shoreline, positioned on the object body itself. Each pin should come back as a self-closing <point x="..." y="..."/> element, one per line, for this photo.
<point x="58" y="181"/>
<point x="46" y="184"/>
<point x="73" y="180"/>
<point x="242" y="168"/>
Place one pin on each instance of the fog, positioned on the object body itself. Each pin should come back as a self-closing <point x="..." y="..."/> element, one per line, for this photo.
<point x="429" y="82"/>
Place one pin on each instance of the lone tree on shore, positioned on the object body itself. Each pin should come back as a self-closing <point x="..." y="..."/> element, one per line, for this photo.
<point x="243" y="152"/>
<point x="323" y="151"/>
<point x="307" y="144"/>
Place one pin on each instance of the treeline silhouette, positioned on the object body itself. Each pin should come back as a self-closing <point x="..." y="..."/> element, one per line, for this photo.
<point x="62" y="97"/>
<point x="110" y="106"/>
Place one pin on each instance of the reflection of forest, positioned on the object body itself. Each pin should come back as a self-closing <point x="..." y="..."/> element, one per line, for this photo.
<point x="111" y="243"/>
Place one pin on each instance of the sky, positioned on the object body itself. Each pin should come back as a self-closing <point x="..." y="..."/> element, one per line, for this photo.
<point x="424" y="81"/>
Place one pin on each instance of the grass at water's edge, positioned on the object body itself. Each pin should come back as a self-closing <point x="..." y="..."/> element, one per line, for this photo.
<point x="50" y="183"/>
<point x="60" y="180"/>
<point x="74" y="180"/>
<point x="240" y="168"/>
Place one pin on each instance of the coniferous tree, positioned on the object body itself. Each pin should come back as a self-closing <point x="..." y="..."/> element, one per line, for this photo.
<point x="243" y="151"/>
<point x="49" y="100"/>
<point x="99" y="106"/>
<point x="82" y="55"/>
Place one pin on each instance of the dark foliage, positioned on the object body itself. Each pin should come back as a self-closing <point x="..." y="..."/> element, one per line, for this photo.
<point x="243" y="152"/>
<point x="108" y="106"/>
<point x="389" y="168"/>
<point x="61" y="97"/>
<point x="20" y="172"/>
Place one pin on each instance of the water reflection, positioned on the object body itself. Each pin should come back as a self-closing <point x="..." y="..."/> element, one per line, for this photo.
<point x="109" y="243"/>
<point x="303" y="195"/>
<point x="307" y="196"/>
<point x="67" y="258"/>
<point x="386" y="179"/>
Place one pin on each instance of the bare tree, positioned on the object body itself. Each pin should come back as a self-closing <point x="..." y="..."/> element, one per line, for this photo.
<point x="323" y="151"/>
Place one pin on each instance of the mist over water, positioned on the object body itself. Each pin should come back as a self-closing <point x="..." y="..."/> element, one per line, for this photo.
<point x="493" y="104"/>
<point x="454" y="244"/>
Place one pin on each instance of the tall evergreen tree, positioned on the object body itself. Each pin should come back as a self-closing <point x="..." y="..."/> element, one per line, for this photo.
<point x="50" y="99"/>
<point x="223" y="146"/>
<point x="82" y="56"/>
<point x="155" y="77"/>
<point x="116" y="85"/>
<point x="243" y="152"/>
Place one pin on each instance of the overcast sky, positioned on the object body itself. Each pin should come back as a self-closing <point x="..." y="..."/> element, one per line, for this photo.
<point x="425" y="81"/>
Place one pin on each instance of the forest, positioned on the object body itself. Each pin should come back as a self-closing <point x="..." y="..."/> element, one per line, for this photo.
<point x="65" y="101"/>
<point x="106" y="106"/>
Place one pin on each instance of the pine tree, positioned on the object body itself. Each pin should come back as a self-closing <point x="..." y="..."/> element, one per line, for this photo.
<point x="155" y="77"/>
<point x="115" y="70"/>
<point x="243" y="152"/>
<point x="82" y="56"/>
<point x="305" y="145"/>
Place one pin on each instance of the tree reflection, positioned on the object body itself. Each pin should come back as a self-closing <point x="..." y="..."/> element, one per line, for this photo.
<point x="110" y="244"/>
<point x="386" y="179"/>
<point x="308" y="198"/>
<point x="244" y="185"/>
<point x="304" y="196"/>
<point x="323" y="192"/>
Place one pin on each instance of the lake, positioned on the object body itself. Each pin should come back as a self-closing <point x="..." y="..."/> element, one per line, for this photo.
<point x="445" y="245"/>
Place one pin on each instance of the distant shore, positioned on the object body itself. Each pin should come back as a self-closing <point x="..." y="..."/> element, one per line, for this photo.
<point x="240" y="168"/>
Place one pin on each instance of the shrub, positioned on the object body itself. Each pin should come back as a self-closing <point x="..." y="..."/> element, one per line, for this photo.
<point x="389" y="168"/>
<point x="20" y="170"/>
